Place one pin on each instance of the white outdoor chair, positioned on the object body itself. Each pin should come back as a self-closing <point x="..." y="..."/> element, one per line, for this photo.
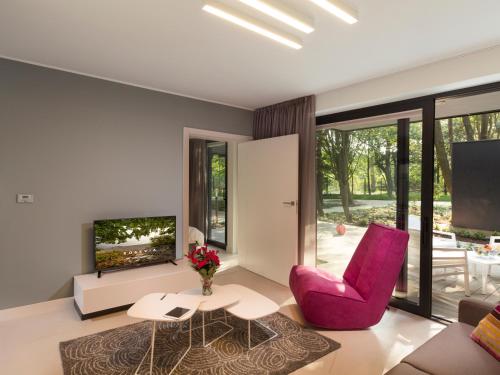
<point x="444" y="239"/>
<point x="446" y="254"/>
<point x="495" y="240"/>
<point x="495" y="244"/>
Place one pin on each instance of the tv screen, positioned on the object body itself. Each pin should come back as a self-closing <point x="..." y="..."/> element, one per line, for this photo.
<point x="133" y="242"/>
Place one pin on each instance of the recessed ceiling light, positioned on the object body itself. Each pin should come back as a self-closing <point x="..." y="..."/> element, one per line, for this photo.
<point x="279" y="12"/>
<point x="339" y="9"/>
<point x="233" y="16"/>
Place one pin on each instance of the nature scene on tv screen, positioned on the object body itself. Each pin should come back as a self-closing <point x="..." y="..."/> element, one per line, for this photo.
<point x="134" y="242"/>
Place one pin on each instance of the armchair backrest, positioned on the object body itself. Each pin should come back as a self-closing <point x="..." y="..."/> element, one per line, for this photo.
<point x="377" y="261"/>
<point x="495" y="240"/>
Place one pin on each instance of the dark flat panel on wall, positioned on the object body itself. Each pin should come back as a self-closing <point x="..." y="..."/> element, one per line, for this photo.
<point x="476" y="185"/>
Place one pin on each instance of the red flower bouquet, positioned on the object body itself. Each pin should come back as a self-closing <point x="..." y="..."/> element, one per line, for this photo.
<point x="205" y="262"/>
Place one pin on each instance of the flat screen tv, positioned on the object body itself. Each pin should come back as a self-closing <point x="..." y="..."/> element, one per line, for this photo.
<point x="133" y="242"/>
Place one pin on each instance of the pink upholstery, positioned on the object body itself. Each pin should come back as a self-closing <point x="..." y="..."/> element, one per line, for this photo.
<point x="359" y="299"/>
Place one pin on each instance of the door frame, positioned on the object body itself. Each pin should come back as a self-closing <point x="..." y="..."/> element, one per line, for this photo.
<point x="232" y="141"/>
<point x="222" y="245"/>
<point x="427" y="105"/>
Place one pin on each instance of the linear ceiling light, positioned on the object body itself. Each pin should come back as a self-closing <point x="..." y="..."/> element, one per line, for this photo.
<point x="339" y="9"/>
<point x="282" y="14"/>
<point x="251" y="24"/>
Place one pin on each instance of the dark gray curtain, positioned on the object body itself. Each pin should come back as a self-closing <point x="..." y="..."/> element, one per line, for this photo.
<point x="297" y="117"/>
<point x="198" y="204"/>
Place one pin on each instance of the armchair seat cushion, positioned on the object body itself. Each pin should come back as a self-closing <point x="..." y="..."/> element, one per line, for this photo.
<point x="306" y="279"/>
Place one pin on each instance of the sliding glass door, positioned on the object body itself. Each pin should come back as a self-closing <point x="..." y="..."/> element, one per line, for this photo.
<point x="428" y="166"/>
<point x="369" y="169"/>
<point x="466" y="225"/>
<point x="217" y="193"/>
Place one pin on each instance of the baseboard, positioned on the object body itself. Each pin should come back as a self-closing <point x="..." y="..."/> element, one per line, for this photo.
<point x="95" y="314"/>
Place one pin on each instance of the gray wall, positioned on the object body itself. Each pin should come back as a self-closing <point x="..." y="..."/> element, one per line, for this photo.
<point x="87" y="149"/>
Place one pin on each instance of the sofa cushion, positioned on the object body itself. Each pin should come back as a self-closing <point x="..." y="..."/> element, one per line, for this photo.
<point x="405" y="369"/>
<point x="471" y="310"/>
<point x="452" y="352"/>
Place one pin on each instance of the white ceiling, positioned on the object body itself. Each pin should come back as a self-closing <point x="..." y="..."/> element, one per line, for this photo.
<point x="173" y="46"/>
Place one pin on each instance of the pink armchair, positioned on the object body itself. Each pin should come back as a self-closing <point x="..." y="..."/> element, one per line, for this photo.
<point x="359" y="299"/>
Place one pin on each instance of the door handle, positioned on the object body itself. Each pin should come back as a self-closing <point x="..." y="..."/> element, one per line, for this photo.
<point x="289" y="203"/>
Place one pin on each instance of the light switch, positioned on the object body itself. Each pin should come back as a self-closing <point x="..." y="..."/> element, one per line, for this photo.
<point x="25" y="198"/>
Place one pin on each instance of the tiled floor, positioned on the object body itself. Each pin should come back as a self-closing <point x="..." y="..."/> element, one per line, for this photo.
<point x="29" y="336"/>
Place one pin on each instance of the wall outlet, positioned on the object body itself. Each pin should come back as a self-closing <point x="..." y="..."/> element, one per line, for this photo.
<point x="25" y="198"/>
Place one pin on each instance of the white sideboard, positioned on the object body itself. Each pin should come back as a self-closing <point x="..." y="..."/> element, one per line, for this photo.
<point x="115" y="291"/>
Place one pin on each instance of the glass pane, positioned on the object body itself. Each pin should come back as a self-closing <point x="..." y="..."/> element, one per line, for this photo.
<point x="217" y="192"/>
<point x="414" y="204"/>
<point x="357" y="183"/>
<point x="466" y="202"/>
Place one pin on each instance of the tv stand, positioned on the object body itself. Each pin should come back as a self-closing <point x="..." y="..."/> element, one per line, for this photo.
<point x="96" y="296"/>
<point x="171" y="261"/>
<point x="99" y="273"/>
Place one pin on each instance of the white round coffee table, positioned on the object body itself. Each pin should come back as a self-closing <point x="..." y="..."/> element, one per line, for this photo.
<point x="154" y="306"/>
<point x="221" y="297"/>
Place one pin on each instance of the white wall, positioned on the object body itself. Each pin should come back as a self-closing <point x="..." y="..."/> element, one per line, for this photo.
<point x="463" y="71"/>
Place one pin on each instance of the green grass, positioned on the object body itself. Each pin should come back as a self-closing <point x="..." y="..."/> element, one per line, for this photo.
<point x="442" y="198"/>
<point x="413" y="196"/>
<point x="378" y="196"/>
<point x="386" y="215"/>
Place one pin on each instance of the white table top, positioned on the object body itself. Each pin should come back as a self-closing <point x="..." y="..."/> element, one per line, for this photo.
<point x="152" y="307"/>
<point x="221" y="297"/>
<point x="473" y="257"/>
<point x="252" y="305"/>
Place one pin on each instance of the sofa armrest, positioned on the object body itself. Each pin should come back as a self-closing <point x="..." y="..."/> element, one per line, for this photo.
<point x="471" y="311"/>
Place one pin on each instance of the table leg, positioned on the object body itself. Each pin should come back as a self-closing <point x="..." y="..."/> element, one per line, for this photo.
<point x="484" y="277"/>
<point x="187" y="350"/>
<point x="274" y="334"/>
<point x="249" y="333"/>
<point x="152" y="347"/>
<point x="203" y="325"/>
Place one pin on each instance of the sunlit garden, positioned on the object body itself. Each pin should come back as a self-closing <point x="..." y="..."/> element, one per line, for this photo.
<point x="357" y="184"/>
<point x="357" y="177"/>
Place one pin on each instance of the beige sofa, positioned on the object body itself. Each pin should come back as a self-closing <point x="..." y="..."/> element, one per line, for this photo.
<point x="452" y="352"/>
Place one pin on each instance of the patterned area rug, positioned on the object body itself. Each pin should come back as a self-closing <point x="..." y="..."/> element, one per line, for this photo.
<point x="121" y="350"/>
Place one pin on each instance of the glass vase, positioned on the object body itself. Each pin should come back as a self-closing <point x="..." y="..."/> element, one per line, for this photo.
<point x="206" y="286"/>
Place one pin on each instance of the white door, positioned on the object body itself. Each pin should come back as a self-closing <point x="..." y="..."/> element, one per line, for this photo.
<point x="268" y="175"/>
